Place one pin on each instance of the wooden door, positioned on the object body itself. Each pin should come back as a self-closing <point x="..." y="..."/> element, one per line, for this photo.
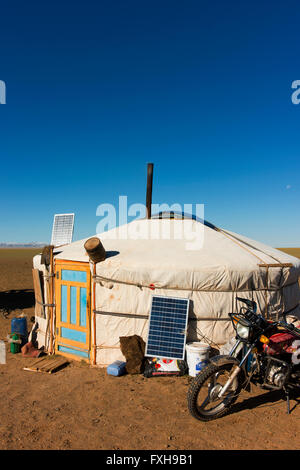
<point x="73" y="311"/>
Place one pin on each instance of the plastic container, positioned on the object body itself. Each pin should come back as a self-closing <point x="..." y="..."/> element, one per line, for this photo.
<point x="117" y="368"/>
<point x="15" y="343"/>
<point x="197" y="357"/>
<point x="19" y="326"/>
<point x="2" y="353"/>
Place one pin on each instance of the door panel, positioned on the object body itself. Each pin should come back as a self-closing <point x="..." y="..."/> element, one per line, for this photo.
<point x="73" y="291"/>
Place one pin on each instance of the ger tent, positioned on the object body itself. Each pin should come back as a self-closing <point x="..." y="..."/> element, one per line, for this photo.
<point x="93" y="305"/>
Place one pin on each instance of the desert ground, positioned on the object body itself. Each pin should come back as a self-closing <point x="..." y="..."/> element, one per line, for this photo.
<point x="81" y="407"/>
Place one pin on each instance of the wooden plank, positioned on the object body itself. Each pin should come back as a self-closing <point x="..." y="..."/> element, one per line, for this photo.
<point x="58" y="365"/>
<point x="35" y="361"/>
<point x="38" y="293"/>
<point x="46" y="364"/>
<point x="79" y="264"/>
<point x="69" y="304"/>
<point x="71" y="326"/>
<point x="72" y="344"/>
<point x="58" y="362"/>
<point x="78" y="307"/>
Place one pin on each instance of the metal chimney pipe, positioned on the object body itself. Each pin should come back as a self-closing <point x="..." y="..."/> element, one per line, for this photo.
<point x="149" y="189"/>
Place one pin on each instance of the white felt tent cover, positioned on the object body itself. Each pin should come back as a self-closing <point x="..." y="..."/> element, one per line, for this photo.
<point x="147" y="253"/>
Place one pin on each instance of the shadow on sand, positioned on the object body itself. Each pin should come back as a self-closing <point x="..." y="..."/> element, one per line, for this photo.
<point x="267" y="399"/>
<point x="16" y="299"/>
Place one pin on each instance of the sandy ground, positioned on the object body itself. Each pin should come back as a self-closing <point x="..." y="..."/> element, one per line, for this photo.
<point x="81" y="407"/>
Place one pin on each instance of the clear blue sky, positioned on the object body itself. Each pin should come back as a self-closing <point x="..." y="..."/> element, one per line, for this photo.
<point x="97" y="89"/>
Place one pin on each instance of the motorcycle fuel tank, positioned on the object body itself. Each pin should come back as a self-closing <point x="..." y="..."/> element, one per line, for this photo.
<point x="280" y="343"/>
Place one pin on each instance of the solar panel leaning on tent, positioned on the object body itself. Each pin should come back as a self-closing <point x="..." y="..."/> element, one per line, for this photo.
<point x="115" y="298"/>
<point x="167" y="327"/>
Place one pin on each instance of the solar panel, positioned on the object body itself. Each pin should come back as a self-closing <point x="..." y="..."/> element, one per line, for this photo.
<point x="62" y="230"/>
<point x="167" y="327"/>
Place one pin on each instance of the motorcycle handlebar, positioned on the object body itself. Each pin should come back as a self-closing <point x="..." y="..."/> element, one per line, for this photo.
<point x="251" y="313"/>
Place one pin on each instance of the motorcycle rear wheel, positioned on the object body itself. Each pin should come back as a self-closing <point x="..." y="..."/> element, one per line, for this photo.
<point x="203" y="401"/>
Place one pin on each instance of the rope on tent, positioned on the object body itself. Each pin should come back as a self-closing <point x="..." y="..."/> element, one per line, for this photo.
<point x="237" y="243"/>
<point x="263" y="265"/>
<point x="120" y="314"/>
<point x="98" y="278"/>
<point x="242" y="243"/>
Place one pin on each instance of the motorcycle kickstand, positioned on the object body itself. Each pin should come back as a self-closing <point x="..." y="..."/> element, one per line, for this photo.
<point x="287" y="395"/>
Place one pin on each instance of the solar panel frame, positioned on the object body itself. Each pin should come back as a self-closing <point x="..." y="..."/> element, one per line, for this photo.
<point x="176" y="340"/>
<point x="62" y="229"/>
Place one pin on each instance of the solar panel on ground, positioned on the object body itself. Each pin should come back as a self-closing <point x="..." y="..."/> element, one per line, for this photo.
<point x="62" y="231"/>
<point x="167" y="327"/>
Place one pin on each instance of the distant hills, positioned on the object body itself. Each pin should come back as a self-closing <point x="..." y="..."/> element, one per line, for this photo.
<point x="23" y="245"/>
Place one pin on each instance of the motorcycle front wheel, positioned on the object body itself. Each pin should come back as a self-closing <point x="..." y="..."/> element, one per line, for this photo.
<point x="203" y="401"/>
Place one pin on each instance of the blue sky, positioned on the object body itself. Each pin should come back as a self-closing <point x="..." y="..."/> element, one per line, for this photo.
<point x="202" y="89"/>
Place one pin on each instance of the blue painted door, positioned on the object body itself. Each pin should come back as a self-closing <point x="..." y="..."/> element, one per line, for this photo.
<point x="72" y="291"/>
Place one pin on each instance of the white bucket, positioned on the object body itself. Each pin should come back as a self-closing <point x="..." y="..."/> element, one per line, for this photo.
<point x="2" y="353"/>
<point x="197" y="357"/>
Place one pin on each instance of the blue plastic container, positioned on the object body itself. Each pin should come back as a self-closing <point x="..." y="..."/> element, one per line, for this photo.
<point x="117" y="368"/>
<point x="19" y="326"/>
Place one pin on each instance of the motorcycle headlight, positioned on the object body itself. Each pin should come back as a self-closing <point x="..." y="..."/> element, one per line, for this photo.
<point x="242" y="330"/>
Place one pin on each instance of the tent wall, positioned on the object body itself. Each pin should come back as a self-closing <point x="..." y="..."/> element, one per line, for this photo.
<point x="118" y="307"/>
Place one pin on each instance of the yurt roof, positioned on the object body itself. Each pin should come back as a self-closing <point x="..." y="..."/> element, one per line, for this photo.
<point x="225" y="261"/>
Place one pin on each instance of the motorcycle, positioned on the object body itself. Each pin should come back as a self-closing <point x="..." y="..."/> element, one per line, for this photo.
<point x="266" y="353"/>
